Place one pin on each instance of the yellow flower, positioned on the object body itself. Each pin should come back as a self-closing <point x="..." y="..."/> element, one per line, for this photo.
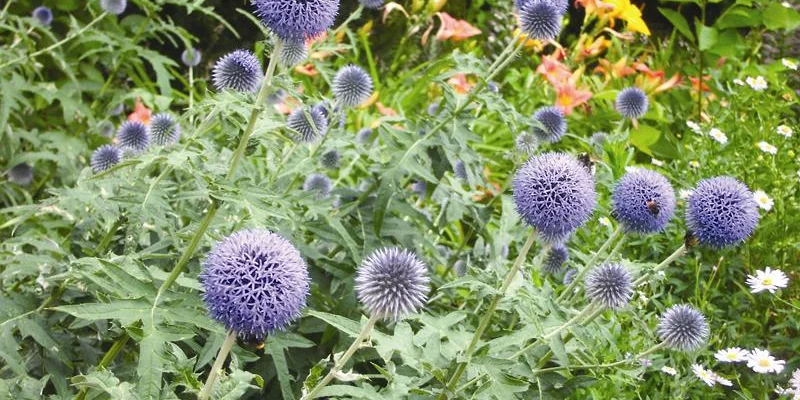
<point x="624" y="10"/>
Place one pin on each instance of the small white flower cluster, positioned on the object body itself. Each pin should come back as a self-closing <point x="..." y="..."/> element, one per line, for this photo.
<point x="709" y="377"/>
<point x="794" y="386"/>
<point x="763" y="200"/>
<point x="758" y="83"/>
<point x="785" y="131"/>
<point x="792" y="65"/>
<point x="695" y="127"/>
<point x="767" y="148"/>
<point x="768" y="279"/>
<point x="718" y="135"/>
<point x="757" y="359"/>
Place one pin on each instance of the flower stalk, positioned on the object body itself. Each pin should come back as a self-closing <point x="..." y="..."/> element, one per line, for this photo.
<point x="230" y="339"/>
<point x="571" y="287"/>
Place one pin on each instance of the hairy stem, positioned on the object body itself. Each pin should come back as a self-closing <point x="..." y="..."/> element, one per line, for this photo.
<point x="230" y="339"/>
<point x="664" y="264"/>
<point x="571" y="287"/>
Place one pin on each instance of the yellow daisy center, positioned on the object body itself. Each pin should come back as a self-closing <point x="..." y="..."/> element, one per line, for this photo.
<point x="767" y="281"/>
<point x="763" y="362"/>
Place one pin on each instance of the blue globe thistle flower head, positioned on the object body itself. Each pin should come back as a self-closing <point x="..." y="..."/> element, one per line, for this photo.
<point x="293" y="52"/>
<point x="105" y="157"/>
<point x="371" y="4"/>
<point x="420" y="188"/>
<point x="721" y="212"/>
<point x="540" y="19"/>
<point x="460" y="268"/>
<point x="598" y="140"/>
<point x="296" y="19"/>
<point x="115" y="7"/>
<point x="526" y="143"/>
<point x="116" y="110"/>
<point x="555" y="194"/>
<point x="106" y="128"/>
<point x="684" y="328"/>
<point x="555" y="257"/>
<point x="43" y="15"/>
<point x="460" y="170"/>
<point x="133" y="136"/>
<point x="318" y="184"/>
<point x="433" y="109"/>
<point x="21" y="174"/>
<point x="643" y="201"/>
<point x="561" y="5"/>
<point x="277" y="96"/>
<point x="492" y="86"/>
<point x="569" y="276"/>
<point x="392" y="283"/>
<point x="330" y="159"/>
<point x="363" y="135"/>
<point x="191" y="57"/>
<point x="164" y="129"/>
<point x="309" y="124"/>
<point x="256" y="282"/>
<point x="554" y="125"/>
<point x="610" y="285"/>
<point x="239" y="70"/>
<point x="324" y="107"/>
<point x="352" y="86"/>
<point x="632" y="102"/>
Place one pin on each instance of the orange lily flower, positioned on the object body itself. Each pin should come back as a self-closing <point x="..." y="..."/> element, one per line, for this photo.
<point x="568" y="97"/>
<point x="591" y="46"/>
<point x="307" y="70"/>
<point x="553" y="70"/>
<point x="697" y="85"/>
<point x="619" y="69"/>
<point x="595" y="7"/>
<point x="653" y="81"/>
<point x="140" y="113"/>
<point x="455" y="29"/>
<point x="460" y="83"/>
<point x="385" y="111"/>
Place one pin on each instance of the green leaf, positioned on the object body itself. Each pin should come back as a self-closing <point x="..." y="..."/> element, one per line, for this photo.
<point x="678" y="21"/>
<point x="126" y="311"/>
<point x="707" y="37"/>
<point x="149" y="369"/>
<point x="778" y="17"/>
<point x="739" y="17"/>
<point x="346" y="325"/>
<point x="643" y="137"/>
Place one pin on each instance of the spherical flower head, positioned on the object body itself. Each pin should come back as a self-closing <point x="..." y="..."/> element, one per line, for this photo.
<point x="555" y="194"/>
<point x="363" y="135"/>
<point x="556" y="257"/>
<point x="21" y="174"/>
<point x="561" y="5"/>
<point x="318" y="184"/>
<point x="330" y="159"/>
<point x="296" y="19"/>
<point x="526" y="143"/>
<point x="256" y="282"/>
<point x="43" y="15"/>
<point x="133" y="136"/>
<point x="105" y="157"/>
<point x="372" y="4"/>
<point x="352" y="86"/>
<point x="420" y="188"/>
<point x="569" y="276"/>
<point x="540" y="19"/>
<point x="460" y="170"/>
<point x="293" y="52"/>
<point x="721" y="212"/>
<point x="239" y="70"/>
<point x="392" y="283"/>
<point x="460" y="267"/>
<point x="115" y="7"/>
<point x="309" y="124"/>
<point x="643" y="201"/>
<point x="632" y="102"/>
<point x="164" y="129"/>
<point x="610" y="285"/>
<point x="598" y="140"/>
<point x="684" y="328"/>
<point x="106" y="128"/>
<point x="553" y="124"/>
<point x="191" y="57"/>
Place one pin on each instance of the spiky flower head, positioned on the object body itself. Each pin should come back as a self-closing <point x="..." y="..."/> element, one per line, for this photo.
<point x="21" y="174"/>
<point x="318" y="184"/>
<point x="296" y="19"/>
<point x="115" y="7"/>
<point x="569" y="276"/>
<point x="133" y="136"/>
<point x="460" y="267"/>
<point x="420" y="188"/>
<point x="352" y="86"/>
<point x="610" y="285"/>
<point x="721" y="212"/>
<point x="191" y="57"/>
<point x="598" y="140"/>
<point x="540" y="19"/>
<point x="561" y="5"/>
<point x="555" y="194"/>
<point x="239" y="70"/>
<point x="392" y="283"/>
<point x="105" y="157"/>
<point x="460" y="170"/>
<point x="106" y="128"/>
<point x="526" y="143"/>
<point x="632" y="102"/>
<point x="554" y="125"/>
<point x="682" y="327"/>
<point x="363" y="135"/>
<point x="293" y="52"/>
<point x="372" y="4"/>
<point x="309" y="124"/>
<point x="330" y="159"/>
<point x="256" y="282"/>
<point x="643" y="201"/>
<point x="43" y="15"/>
<point x="164" y="129"/>
<point x="556" y="256"/>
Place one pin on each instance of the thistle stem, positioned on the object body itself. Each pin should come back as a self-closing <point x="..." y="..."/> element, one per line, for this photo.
<point x="191" y="94"/>
<point x="598" y="366"/>
<point x="664" y="264"/>
<point x="589" y="309"/>
<point x="610" y="255"/>
<point x="340" y="363"/>
<point x="230" y="339"/>
<point x="617" y="232"/>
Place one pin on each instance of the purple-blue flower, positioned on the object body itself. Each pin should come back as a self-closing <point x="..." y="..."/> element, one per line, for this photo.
<point x="21" y="174"/>
<point x="555" y="194"/>
<point x="643" y="201"/>
<point x="632" y="102"/>
<point x="105" y="157"/>
<point x="318" y="184"/>
<point x="309" y="124"/>
<point x="556" y="256"/>
<point x="392" y="283"/>
<point x="293" y="52"/>
<point x="553" y="124"/>
<point x="683" y="328"/>
<point x="352" y="86"/>
<point x="133" y="136"/>
<point x="721" y="212"/>
<point x="460" y="170"/>
<point x="610" y="285"/>
<point x="540" y="19"/>
<point x="373" y="4"/>
<point x="164" y="129"/>
<point x="43" y="15"/>
<point x="239" y="70"/>
<point x="561" y="5"/>
<point x="115" y="7"/>
<point x="297" y="19"/>
<point x="363" y="135"/>
<point x="330" y="159"/>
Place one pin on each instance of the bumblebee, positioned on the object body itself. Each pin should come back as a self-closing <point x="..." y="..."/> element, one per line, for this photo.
<point x="653" y="207"/>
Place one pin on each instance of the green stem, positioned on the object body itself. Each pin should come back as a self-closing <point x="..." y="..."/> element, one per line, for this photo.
<point x="571" y="287"/>
<point x="598" y="366"/>
<point x="487" y="315"/>
<point x="106" y="360"/>
<point x="191" y="93"/>
<point x="230" y="339"/>
<point x="664" y="264"/>
<point x="340" y="363"/>
<point x="589" y="309"/>
<point x="610" y="255"/>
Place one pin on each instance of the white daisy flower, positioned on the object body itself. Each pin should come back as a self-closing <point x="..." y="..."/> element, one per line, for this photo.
<point x="731" y="354"/>
<point x="767" y="148"/>
<point x="694" y="127"/>
<point x="786" y="4"/>
<point x="657" y="162"/>
<point x="758" y="83"/>
<point x="785" y="131"/>
<point x="762" y="362"/>
<point x="722" y="381"/>
<point x="768" y="279"/>
<point x="684" y="194"/>
<point x="605" y="221"/>
<point x="789" y="64"/>
<point x="795" y="381"/>
<point x="694" y="164"/>
<point x="764" y="201"/>
<point x="631" y="168"/>
<point x="705" y="375"/>
<point x="738" y="82"/>
<point x="718" y="135"/>
<point x="669" y="370"/>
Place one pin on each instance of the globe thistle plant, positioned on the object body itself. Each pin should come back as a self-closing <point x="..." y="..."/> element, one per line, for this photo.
<point x="553" y="124"/>
<point x="555" y="257"/>
<point x="293" y="52"/>
<point x="683" y="328"/>
<point x="540" y="19"/>
<point x="555" y="194"/>
<point x="21" y="174"/>
<point x="330" y="159"/>
<point x="43" y="15"/>
<point x="598" y="140"/>
<point x="352" y="86"/>
<point x="420" y="188"/>
<point x="643" y="201"/>
<point x="318" y="184"/>
<point x="105" y="157"/>
<point x="460" y="170"/>
<point x="569" y="276"/>
<point x="392" y="283"/>
<point x="255" y="282"/>
<point x="115" y="7"/>
<point x="309" y="124"/>
<point x="561" y="5"/>
<point x="371" y="4"/>
<point x="191" y="57"/>
<point x="632" y="102"/>
<point x="106" y="129"/>
<point x="363" y="135"/>
<point x="610" y="285"/>
<point x="164" y="129"/>
<point x="721" y="212"/>
<point x="296" y="19"/>
<point x="526" y="143"/>
<point x="133" y="136"/>
<point x="239" y="70"/>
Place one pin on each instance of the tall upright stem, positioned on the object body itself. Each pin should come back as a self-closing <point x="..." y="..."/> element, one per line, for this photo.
<point x="590" y="264"/>
<point x="664" y="264"/>
<point x="230" y="339"/>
